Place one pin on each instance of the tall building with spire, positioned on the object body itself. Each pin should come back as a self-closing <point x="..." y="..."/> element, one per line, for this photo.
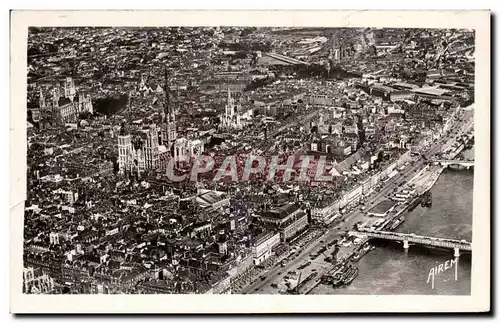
<point x="69" y="88"/>
<point x="131" y="157"/>
<point x="56" y="95"/>
<point x="138" y="148"/>
<point x="151" y="148"/>
<point x="125" y="144"/>
<point x="124" y="149"/>
<point x="41" y="101"/>
<point x="168" y="125"/>
<point x="231" y="118"/>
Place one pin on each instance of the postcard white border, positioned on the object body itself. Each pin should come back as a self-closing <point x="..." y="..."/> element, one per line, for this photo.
<point x="479" y="300"/>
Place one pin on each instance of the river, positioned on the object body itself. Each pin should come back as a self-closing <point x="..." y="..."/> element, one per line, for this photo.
<point x="389" y="270"/>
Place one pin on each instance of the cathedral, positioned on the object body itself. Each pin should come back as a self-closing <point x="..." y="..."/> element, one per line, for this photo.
<point x="66" y="105"/>
<point x="138" y="151"/>
<point x="139" y="148"/>
<point x="152" y="147"/>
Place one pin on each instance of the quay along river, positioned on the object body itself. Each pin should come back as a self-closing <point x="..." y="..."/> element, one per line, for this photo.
<point x="389" y="270"/>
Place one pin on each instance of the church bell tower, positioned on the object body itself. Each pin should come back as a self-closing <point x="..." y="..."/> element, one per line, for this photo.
<point x="168" y="126"/>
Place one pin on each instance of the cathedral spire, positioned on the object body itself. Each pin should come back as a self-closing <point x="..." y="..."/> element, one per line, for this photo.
<point x="143" y="82"/>
<point x="69" y="88"/>
<point x="129" y="107"/>
<point x="169" y="133"/>
<point x="166" y="106"/>
<point x="41" y="100"/>
<point x="56" y="95"/>
<point x="229" y="105"/>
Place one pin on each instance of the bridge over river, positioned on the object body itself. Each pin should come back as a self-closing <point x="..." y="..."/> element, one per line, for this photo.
<point x="456" y="245"/>
<point x="453" y="162"/>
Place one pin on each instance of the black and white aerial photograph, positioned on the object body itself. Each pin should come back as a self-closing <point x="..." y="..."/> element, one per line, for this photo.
<point x="249" y="160"/>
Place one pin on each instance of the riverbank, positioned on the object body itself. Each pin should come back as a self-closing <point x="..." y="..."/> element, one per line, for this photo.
<point x="351" y="249"/>
<point x="388" y="269"/>
<point x="316" y="257"/>
<point x="313" y="259"/>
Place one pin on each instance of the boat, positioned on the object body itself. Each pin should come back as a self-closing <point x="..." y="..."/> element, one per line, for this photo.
<point x="470" y="144"/>
<point x="427" y="199"/>
<point x="362" y="252"/>
<point x="326" y="279"/>
<point x="396" y="223"/>
<point x="414" y="203"/>
<point x="339" y="276"/>
<point x="346" y="277"/>
<point x="329" y="276"/>
<point x="337" y="280"/>
<point x="398" y="199"/>
<point x="351" y="276"/>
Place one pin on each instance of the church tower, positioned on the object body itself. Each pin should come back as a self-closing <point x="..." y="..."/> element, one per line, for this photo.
<point x="84" y="103"/>
<point x="231" y="118"/>
<point x="168" y="126"/>
<point x="41" y="101"/>
<point x="69" y="88"/>
<point x="56" y="95"/>
<point x="124" y="144"/>
<point x="230" y="104"/>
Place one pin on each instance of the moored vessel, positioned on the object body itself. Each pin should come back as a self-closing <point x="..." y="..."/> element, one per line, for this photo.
<point x="427" y="199"/>
<point x="396" y="223"/>
<point x="362" y="252"/>
<point x="351" y="276"/>
<point x="414" y="203"/>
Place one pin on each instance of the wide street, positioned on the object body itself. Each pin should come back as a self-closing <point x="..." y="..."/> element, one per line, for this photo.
<point x="276" y="274"/>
